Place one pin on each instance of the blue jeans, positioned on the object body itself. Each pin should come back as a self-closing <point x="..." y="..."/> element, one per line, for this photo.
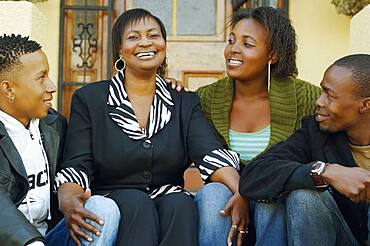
<point x="305" y="217"/>
<point x="213" y="228"/>
<point x="106" y="209"/>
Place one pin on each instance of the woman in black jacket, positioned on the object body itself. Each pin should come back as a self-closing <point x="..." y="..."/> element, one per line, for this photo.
<point x="120" y="136"/>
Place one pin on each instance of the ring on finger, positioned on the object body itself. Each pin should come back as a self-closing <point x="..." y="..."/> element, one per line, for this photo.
<point x="234" y="226"/>
<point x="243" y="232"/>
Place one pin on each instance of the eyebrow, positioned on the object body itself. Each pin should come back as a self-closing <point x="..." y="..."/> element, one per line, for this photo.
<point x="244" y="36"/>
<point x="149" y="30"/>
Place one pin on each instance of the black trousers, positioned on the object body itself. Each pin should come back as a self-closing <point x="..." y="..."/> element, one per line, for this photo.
<point x="166" y="221"/>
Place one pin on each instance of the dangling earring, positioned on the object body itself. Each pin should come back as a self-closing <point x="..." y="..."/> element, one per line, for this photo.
<point x="120" y="64"/>
<point x="268" y="76"/>
<point x="11" y="99"/>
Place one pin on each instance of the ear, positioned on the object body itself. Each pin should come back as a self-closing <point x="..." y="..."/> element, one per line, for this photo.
<point x="6" y="89"/>
<point x="365" y="105"/>
<point x="273" y="57"/>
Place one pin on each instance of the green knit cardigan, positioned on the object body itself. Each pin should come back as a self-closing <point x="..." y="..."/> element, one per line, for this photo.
<point x="290" y="100"/>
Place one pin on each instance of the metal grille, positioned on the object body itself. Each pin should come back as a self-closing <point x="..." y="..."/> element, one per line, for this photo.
<point x="85" y="53"/>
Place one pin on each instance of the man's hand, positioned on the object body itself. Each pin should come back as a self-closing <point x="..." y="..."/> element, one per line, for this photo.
<point x="238" y="208"/>
<point x="75" y="215"/>
<point x="176" y="84"/>
<point x="353" y="182"/>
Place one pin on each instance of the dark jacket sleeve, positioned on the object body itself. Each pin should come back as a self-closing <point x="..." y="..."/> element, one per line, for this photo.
<point x="204" y="149"/>
<point x="15" y="229"/>
<point x="77" y="165"/>
<point x="285" y="167"/>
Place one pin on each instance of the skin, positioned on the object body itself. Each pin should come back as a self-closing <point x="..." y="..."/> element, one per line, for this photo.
<point x="140" y="37"/>
<point x="340" y="109"/>
<point x="30" y="87"/>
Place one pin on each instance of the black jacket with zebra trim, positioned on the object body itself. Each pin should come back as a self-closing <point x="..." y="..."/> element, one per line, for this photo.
<point x="107" y="150"/>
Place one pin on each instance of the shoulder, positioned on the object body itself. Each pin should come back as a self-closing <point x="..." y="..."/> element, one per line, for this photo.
<point x="55" y="117"/>
<point x="209" y="89"/>
<point x="304" y="86"/>
<point x="184" y="97"/>
<point x="93" y="88"/>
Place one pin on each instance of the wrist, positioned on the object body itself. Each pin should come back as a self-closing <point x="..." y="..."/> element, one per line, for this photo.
<point x="317" y="170"/>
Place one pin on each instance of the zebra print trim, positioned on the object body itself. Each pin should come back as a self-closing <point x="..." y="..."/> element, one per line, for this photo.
<point x="71" y="175"/>
<point x="167" y="189"/>
<point x="124" y="115"/>
<point x="217" y="159"/>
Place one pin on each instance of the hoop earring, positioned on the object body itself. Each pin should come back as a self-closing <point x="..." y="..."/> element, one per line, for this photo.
<point x="268" y="76"/>
<point x="120" y="65"/>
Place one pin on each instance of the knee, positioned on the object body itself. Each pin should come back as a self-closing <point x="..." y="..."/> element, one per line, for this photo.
<point x="302" y="199"/>
<point x="213" y="195"/>
<point x="105" y="208"/>
<point x="180" y="202"/>
<point x="133" y="201"/>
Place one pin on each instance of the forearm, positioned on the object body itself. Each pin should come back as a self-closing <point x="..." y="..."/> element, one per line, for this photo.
<point x="228" y="176"/>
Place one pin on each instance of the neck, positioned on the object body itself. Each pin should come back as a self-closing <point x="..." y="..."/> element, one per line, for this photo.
<point x="360" y="135"/>
<point x="13" y="113"/>
<point x="142" y="85"/>
<point x="251" y="89"/>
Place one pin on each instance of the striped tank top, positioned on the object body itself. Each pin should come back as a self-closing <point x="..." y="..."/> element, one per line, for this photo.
<point x="249" y="144"/>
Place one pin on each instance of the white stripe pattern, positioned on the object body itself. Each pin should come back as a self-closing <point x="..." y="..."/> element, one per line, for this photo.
<point x="71" y="175"/>
<point x="124" y="115"/>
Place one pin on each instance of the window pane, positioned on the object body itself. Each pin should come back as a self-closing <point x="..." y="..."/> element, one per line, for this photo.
<point x="87" y="2"/>
<point x="160" y="8"/>
<point x="196" y="17"/>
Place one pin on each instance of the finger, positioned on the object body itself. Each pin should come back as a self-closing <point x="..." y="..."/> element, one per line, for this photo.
<point x="85" y="214"/>
<point x="231" y="235"/>
<point x="84" y="196"/>
<point x="186" y="88"/>
<point x="80" y="234"/>
<point x="226" y="211"/>
<point x="240" y="239"/>
<point x="74" y="237"/>
<point x="179" y="88"/>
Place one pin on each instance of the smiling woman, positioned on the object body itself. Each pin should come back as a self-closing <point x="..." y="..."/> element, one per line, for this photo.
<point x="120" y="134"/>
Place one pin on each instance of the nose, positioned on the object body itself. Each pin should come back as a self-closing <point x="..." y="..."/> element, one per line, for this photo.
<point x="320" y="100"/>
<point x="50" y="86"/>
<point x="235" y="48"/>
<point x="145" y="42"/>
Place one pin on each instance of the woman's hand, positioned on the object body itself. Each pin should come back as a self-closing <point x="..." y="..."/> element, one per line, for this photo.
<point x="176" y="84"/>
<point x="238" y="208"/>
<point x="71" y="205"/>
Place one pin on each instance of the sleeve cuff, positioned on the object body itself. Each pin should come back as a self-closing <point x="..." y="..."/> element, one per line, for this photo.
<point x="217" y="159"/>
<point x="301" y="178"/>
<point x="71" y="175"/>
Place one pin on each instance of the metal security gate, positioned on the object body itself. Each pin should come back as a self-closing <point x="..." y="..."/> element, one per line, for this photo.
<point x="85" y="53"/>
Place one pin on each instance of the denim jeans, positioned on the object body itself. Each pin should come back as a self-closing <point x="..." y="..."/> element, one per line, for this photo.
<point x="213" y="228"/>
<point x="106" y="209"/>
<point x="305" y="217"/>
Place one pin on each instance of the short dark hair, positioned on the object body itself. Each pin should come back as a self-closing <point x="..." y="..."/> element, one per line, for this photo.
<point x="359" y="64"/>
<point x="12" y="47"/>
<point x="282" y="37"/>
<point x="127" y="18"/>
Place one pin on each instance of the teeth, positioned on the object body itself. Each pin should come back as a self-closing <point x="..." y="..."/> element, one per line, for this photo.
<point x="145" y="54"/>
<point x="234" y="62"/>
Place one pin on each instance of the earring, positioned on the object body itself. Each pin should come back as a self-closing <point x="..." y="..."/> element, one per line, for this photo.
<point x="11" y="99"/>
<point x="268" y="76"/>
<point x="120" y="64"/>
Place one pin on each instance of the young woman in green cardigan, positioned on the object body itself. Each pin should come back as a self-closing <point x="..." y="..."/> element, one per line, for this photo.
<point x="259" y="104"/>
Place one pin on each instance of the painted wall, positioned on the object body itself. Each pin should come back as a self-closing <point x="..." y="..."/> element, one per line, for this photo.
<point x="39" y="21"/>
<point x="323" y="36"/>
<point x="50" y="40"/>
<point x="360" y="32"/>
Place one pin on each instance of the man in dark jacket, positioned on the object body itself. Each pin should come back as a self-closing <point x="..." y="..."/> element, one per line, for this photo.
<point x="31" y="143"/>
<point x="318" y="180"/>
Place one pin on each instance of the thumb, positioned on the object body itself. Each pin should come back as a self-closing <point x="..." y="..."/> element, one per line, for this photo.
<point x="84" y="196"/>
<point x="226" y="211"/>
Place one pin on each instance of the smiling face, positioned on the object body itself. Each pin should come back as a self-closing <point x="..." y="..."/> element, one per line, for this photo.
<point x="338" y="107"/>
<point x="143" y="47"/>
<point x="248" y="51"/>
<point x="32" y="88"/>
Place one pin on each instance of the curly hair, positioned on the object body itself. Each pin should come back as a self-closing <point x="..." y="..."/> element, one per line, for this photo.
<point x="12" y="47"/>
<point x="359" y="65"/>
<point x="127" y="18"/>
<point x="282" y="37"/>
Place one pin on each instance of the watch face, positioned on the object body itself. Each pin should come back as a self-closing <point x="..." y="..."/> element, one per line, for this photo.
<point x="317" y="167"/>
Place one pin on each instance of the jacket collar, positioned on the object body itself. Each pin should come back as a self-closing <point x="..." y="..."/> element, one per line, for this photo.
<point x="50" y="142"/>
<point x="283" y="107"/>
<point x="122" y="113"/>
